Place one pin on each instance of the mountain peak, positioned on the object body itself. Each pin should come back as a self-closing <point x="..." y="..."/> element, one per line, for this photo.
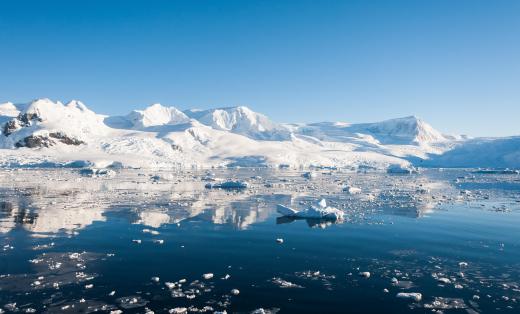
<point x="407" y="129"/>
<point x="155" y="115"/>
<point x="241" y="120"/>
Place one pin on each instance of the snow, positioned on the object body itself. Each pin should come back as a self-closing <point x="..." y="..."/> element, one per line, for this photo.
<point x="159" y="137"/>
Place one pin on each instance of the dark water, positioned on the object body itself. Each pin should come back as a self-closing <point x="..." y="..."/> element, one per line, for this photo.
<point x="455" y="241"/>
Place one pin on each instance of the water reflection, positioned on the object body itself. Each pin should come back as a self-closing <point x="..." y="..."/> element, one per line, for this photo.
<point x="65" y="203"/>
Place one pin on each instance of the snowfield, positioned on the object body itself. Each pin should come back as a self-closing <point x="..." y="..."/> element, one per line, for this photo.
<point x="44" y="133"/>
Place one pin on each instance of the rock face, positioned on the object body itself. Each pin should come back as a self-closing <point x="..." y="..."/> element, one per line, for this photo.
<point x="43" y="123"/>
<point x="35" y="141"/>
<point x="22" y="121"/>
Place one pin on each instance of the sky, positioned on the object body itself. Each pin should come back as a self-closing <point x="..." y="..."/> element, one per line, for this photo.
<point x="453" y="63"/>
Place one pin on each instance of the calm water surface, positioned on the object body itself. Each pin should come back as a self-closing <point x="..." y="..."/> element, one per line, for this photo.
<point x="71" y="243"/>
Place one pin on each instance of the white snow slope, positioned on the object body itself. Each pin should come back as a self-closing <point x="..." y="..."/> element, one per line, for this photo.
<point x="51" y="134"/>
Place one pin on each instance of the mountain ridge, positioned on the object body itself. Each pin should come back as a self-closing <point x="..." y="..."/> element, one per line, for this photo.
<point x="163" y="136"/>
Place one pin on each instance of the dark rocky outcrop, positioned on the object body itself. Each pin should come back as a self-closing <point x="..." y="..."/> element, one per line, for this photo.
<point x="35" y="141"/>
<point x="23" y="120"/>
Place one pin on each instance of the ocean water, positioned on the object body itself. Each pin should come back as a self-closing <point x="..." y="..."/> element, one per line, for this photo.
<point x="143" y="241"/>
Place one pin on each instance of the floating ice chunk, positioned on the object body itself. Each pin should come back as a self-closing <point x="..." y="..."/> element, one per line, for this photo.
<point x="137" y="241"/>
<point x="169" y="285"/>
<point x="116" y="312"/>
<point x="162" y="177"/>
<point x="112" y="293"/>
<point x="352" y="190"/>
<point x="207" y="276"/>
<point x="401" y="169"/>
<point x="96" y="172"/>
<point x="89" y="286"/>
<point x="284" y="283"/>
<point x="155" y="279"/>
<point x="286" y="211"/>
<point x="444" y="280"/>
<point x="228" y="185"/>
<point x="235" y="292"/>
<point x="150" y="231"/>
<point x="415" y="296"/>
<point x="178" y="310"/>
<point x="364" y="274"/>
<point x="158" y="241"/>
<point x="320" y="211"/>
<point x="279" y="240"/>
<point x="463" y="264"/>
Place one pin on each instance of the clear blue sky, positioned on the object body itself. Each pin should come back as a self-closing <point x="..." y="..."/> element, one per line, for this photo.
<point x="454" y="63"/>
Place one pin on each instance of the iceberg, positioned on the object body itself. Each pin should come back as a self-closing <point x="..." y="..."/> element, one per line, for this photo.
<point x="318" y="211"/>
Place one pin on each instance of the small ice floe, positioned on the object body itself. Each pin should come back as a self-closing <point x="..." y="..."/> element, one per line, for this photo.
<point x="89" y="286"/>
<point x="443" y="280"/>
<point x="463" y="264"/>
<point x="352" y="190"/>
<point x="112" y="293"/>
<point x="158" y="241"/>
<point x="318" y="211"/>
<point x="136" y="241"/>
<point x="309" y="175"/>
<point x="228" y="185"/>
<point x="235" y="291"/>
<point x="132" y="302"/>
<point x="401" y="169"/>
<point x="178" y="310"/>
<point x="155" y="279"/>
<point x="150" y="231"/>
<point x="279" y="240"/>
<point x="364" y="274"/>
<point x="207" y="276"/>
<point x="415" y="296"/>
<point x="284" y="283"/>
<point x="163" y="177"/>
<point x="441" y="303"/>
<point x="96" y="172"/>
<point x="265" y="311"/>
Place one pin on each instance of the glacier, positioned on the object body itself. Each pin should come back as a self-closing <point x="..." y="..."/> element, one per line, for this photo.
<point x="46" y="133"/>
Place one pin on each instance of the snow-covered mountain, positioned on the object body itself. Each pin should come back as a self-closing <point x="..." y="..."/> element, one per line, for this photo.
<point x="241" y="120"/>
<point x="43" y="123"/>
<point x="408" y="130"/>
<point x="49" y="133"/>
<point x="156" y="115"/>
